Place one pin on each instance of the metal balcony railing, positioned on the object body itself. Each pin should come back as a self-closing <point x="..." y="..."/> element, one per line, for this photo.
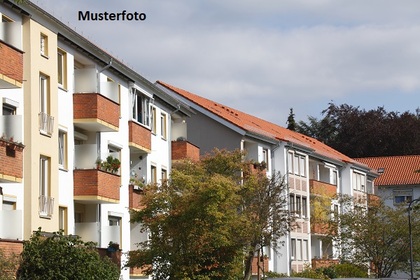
<point x="46" y="206"/>
<point x="46" y="123"/>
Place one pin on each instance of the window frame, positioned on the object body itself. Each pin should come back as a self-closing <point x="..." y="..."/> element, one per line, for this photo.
<point x="62" y="149"/>
<point x="62" y="68"/>
<point x="163" y="125"/>
<point x="43" y="45"/>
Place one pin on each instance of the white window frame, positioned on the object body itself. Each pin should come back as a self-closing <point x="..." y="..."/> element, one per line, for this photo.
<point x="163" y="125"/>
<point x="62" y="148"/>
<point x="43" y="44"/>
<point x="141" y="108"/>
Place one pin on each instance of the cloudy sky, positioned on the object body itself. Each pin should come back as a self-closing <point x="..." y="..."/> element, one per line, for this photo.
<point x="264" y="57"/>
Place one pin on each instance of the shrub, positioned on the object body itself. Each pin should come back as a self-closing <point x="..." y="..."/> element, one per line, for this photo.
<point x="64" y="257"/>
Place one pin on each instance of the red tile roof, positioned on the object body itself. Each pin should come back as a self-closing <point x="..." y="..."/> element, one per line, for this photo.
<point x="397" y="170"/>
<point x="259" y="126"/>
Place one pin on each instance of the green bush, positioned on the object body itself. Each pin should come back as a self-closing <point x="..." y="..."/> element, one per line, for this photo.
<point x="348" y="270"/>
<point x="64" y="257"/>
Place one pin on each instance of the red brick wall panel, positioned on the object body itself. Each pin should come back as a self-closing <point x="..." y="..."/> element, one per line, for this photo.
<point x="139" y="135"/>
<point x="11" y="158"/>
<point x="134" y="197"/>
<point x="11" y="62"/>
<point x="96" y="106"/>
<point x="93" y="182"/>
<point x="321" y="188"/>
<point x="185" y="150"/>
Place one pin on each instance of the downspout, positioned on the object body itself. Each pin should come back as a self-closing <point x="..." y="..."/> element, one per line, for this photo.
<point x="289" y="268"/>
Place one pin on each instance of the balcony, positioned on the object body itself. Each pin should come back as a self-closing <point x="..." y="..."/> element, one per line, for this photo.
<point x="134" y="196"/>
<point x="185" y="150"/>
<point x="11" y="67"/>
<point x="95" y="112"/>
<point x="96" y="186"/>
<point x="96" y="103"/>
<point x="320" y="228"/>
<point x="11" y="56"/>
<point x="322" y="189"/>
<point x="373" y="200"/>
<point x="96" y="232"/>
<point x="11" y="158"/>
<point x="11" y="224"/>
<point x="139" y="137"/>
<point x="318" y="263"/>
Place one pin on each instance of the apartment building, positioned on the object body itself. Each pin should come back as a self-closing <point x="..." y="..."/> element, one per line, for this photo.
<point x="81" y="133"/>
<point x="312" y="169"/>
<point x="399" y="179"/>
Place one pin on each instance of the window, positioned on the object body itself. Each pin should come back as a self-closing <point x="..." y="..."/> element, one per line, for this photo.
<point x="44" y="44"/>
<point x="290" y="162"/>
<point x="305" y="250"/>
<point x="163" y="125"/>
<point x="8" y="109"/>
<point x="299" y="249"/>
<point x="298" y="205"/>
<point x="62" y="219"/>
<point x="304" y="207"/>
<point x="402" y="196"/>
<point x="265" y="157"/>
<point x="292" y="203"/>
<point x="141" y="108"/>
<point x="46" y="122"/>
<point x="44" y="98"/>
<point x="297" y="164"/>
<point x="62" y="66"/>
<point x="62" y="149"/>
<point x="154" y="120"/>
<point x="293" y="248"/>
<point x="164" y="175"/>
<point x="153" y="174"/>
<point x="359" y="182"/>
<point x="46" y="203"/>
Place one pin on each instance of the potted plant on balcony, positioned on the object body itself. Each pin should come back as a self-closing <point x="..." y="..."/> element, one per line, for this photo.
<point x="137" y="184"/>
<point x="111" y="164"/>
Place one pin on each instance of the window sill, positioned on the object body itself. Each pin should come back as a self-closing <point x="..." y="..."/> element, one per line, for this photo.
<point x="45" y="56"/>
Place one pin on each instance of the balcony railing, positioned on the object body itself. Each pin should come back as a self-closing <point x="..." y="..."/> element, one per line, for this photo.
<point x="95" y="112"/>
<point x="185" y="150"/>
<point x="92" y="232"/>
<point x="11" y="33"/>
<point x="139" y="137"/>
<point x="97" y="186"/>
<point x="46" y="123"/>
<point x="322" y="188"/>
<point x="46" y="206"/>
<point x="11" y="224"/>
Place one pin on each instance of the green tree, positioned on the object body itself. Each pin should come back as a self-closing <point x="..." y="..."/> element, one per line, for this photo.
<point x="209" y="219"/>
<point x="360" y="133"/>
<point x="291" y="123"/>
<point x="375" y="238"/>
<point x="63" y="257"/>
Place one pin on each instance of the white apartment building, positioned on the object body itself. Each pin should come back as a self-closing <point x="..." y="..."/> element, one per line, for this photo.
<point x="93" y="130"/>
<point x="311" y="168"/>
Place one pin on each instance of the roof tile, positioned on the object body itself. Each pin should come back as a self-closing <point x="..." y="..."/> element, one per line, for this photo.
<point x="397" y="170"/>
<point x="259" y="126"/>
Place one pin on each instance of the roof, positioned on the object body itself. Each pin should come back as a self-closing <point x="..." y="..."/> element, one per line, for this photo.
<point x="255" y="125"/>
<point x="397" y="170"/>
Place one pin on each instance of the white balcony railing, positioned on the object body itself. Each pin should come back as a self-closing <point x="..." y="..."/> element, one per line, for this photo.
<point x="11" y="226"/>
<point x="46" y="123"/>
<point x="46" y="206"/>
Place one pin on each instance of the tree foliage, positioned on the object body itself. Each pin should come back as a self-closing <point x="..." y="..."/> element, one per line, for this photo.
<point x="209" y="218"/>
<point x="360" y="133"/>
<point x="63" y="257"/>
<point x="376" y="238"/>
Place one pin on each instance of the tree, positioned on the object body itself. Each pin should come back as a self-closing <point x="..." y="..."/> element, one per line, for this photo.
<point x="291" y="123"/>
<point x="376" y="238"/>
<point x="209" y="218"/>
<point x="360" y="133"/>
<point x="63" y="257"/>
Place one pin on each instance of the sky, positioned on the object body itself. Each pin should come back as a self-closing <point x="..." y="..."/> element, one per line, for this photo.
<point x="267" y="56"/>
